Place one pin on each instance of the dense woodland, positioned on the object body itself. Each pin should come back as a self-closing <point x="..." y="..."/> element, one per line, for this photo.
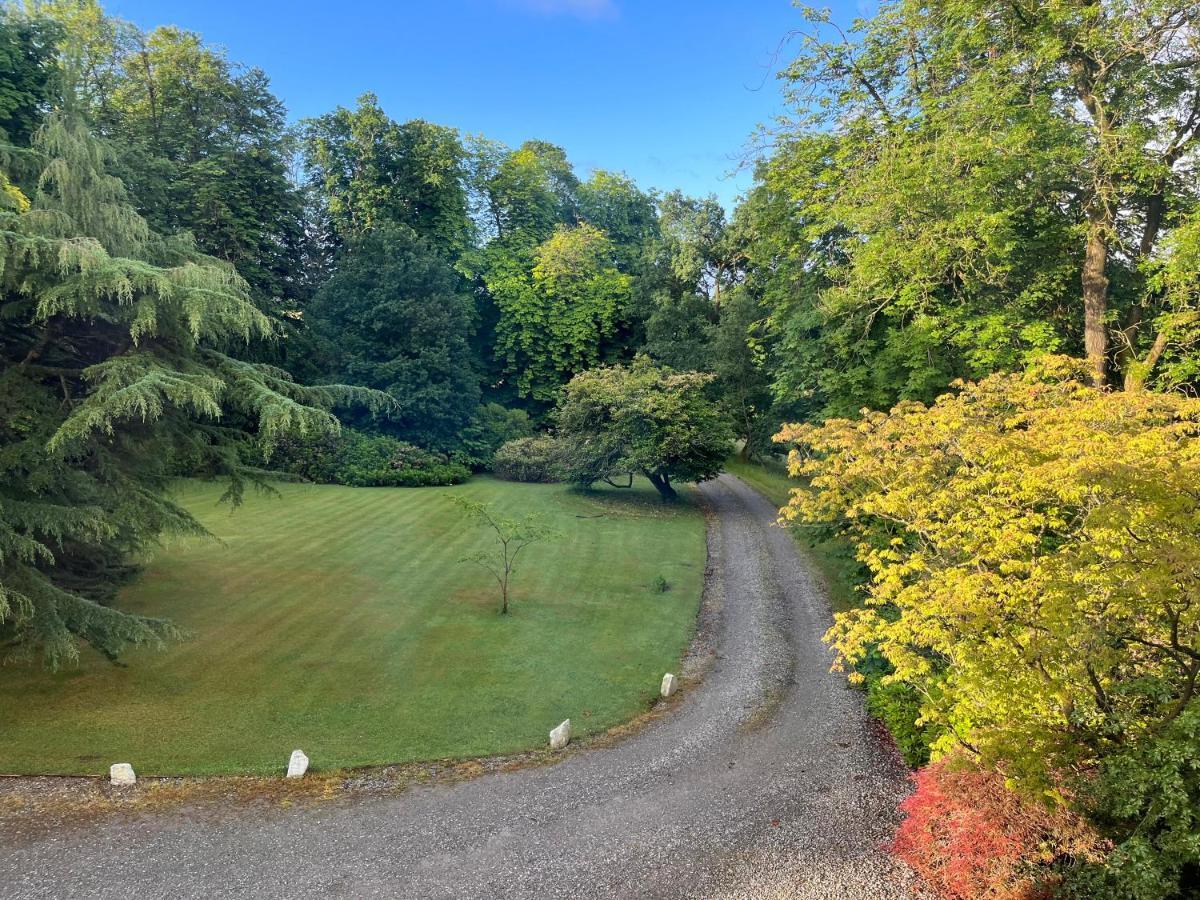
<point x="982" y="216"/>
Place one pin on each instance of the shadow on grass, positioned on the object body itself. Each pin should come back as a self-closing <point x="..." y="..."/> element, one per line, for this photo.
<point x="640" y="501"/>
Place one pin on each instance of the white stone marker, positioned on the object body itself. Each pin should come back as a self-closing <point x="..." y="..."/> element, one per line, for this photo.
<point x="670" y="684"/>
<point x="297" y="765"/>
<point x="121" y="775"/>
<point x="561" y="736"/>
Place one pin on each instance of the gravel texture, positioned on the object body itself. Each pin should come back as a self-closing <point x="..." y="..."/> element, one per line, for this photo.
<point x="764" y="779"/>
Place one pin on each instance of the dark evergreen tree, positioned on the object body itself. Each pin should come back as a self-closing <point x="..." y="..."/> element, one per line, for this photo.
<point x="397" y="317"/>
<point x="119" y="368"/>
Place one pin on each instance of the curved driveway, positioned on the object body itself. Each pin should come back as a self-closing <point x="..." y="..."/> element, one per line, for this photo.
<point x="767" y="779"/>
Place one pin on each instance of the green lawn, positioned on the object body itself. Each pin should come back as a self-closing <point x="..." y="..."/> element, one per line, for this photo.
<point x="338" y="620"/>
<point x="833" y="558"/>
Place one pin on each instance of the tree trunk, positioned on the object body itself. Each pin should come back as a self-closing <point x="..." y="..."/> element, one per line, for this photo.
<point x="662" y="484"/>
<point x="504" y="597"/>
<point x="1139" y="370"/>
<point x="1087" y="74"/>
<point x="1095" y="294"/>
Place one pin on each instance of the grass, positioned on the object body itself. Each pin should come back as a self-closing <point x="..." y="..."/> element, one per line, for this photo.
<point x="833" y="557"/>
<point x="338" y="620"/>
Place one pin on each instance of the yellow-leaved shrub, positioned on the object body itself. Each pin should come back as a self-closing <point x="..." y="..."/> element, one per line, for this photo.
<point x="1034" y="547"/>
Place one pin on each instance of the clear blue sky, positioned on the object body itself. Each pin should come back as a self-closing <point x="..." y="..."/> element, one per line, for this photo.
<point x="668" y="91"/>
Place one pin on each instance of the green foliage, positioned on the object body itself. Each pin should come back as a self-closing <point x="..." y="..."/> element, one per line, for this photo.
<point x="743" y="381"/>
<point x="531" y="459"/>
<point x="397" y="318"/>
<point x="559" y="307"/>
<point x="898" y="707"/>
<point x="615" y="421"/>
<point x="524" y="194"/>
<point x="362" y="460"/>
<point x="118" y="361"/>
<point x="492" y="426"/>
<point x="372" y="172"/>
<point x="958" y="177"/>
<point x="200" y="143"/>
<point x="27" y="71"/>
<point x="679" y="331"/>
<point x="700" y="251"/>
<point x="614" y="204"/>
<point x="1149" y="792"/>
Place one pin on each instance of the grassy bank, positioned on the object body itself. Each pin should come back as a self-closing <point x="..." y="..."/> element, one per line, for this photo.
<point x="833" y="558"/>
<point x="339" y="620"/>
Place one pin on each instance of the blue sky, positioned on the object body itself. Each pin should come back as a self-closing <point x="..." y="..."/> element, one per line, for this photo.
<point x="668" y="91"/>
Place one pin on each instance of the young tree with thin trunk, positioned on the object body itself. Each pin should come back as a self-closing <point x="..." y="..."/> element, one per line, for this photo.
<point x="512" y="536"/>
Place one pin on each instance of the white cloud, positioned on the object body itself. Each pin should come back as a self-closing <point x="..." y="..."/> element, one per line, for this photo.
<point x="584" y="9"/>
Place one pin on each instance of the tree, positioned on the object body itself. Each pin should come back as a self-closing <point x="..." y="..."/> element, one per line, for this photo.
<point x="396" y="317"/>
<point x="702" y="255"/>
<point x="511" y="537"/>
<point x="373" y="171"/>
<point x="983" y="182"/>
<point x="201" y="143"/>
<point x="742" y="381"/>
<point x="679" y="331"/>
<point x="524" y="194"/>
<point x="619" y="420"/>
<point x="1035" y="565"/>
<point x="560" y="307"/>
<point x="119" y="369"/>
<point x="614" y="204"/>
<point x="27" y="68"/>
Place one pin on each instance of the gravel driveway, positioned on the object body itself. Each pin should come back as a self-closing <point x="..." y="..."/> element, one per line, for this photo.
<point x="767" y="779"/>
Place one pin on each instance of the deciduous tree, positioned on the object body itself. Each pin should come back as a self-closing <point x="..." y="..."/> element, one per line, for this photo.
<point x="616" y="421"/>
<point x="512" y="536"/>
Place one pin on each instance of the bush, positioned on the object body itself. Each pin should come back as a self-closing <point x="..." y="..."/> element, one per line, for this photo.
<point x="533" y="459"/>
<point x="1034" y="563"/>
<point x="492" y="427"/>
<point x="898" y="707"/>
<point x="362" y="460"/>
<point x="970" y="838"/>
<point x="1148" y="797"/>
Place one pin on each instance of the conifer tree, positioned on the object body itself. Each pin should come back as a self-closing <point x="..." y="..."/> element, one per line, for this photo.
<point x="119" y="368"/>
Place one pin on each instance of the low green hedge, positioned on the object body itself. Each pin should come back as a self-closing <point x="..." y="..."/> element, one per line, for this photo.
<point x="363" y="460"/>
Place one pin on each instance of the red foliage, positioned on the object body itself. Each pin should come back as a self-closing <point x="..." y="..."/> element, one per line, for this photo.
<point x="969" y="837"/>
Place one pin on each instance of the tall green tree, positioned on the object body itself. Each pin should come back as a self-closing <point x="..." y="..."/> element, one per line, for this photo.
<point x="614" y="204"/>
<point x="524" y="194"/>
<point x="372" y="171"/>
<point x="560" y="307"/>
<point x="398" y="318"/>
<point x="28" y="51"/>
<point x="200" y="142"/>
<point x="119" y="367"/>
<point x="978" y="183"/>
<point x="699" y="249"/>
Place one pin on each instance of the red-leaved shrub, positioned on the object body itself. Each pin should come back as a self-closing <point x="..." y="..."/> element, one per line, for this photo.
<point x="970" y="837"/>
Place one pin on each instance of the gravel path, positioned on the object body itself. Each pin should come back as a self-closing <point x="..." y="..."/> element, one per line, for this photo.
<point x="767" y="779"/>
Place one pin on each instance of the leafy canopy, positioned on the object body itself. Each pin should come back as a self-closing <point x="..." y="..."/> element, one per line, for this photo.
<point x="396" y="317"/>
<point x="559" y="307"/>
<point x="619" y="420"/>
